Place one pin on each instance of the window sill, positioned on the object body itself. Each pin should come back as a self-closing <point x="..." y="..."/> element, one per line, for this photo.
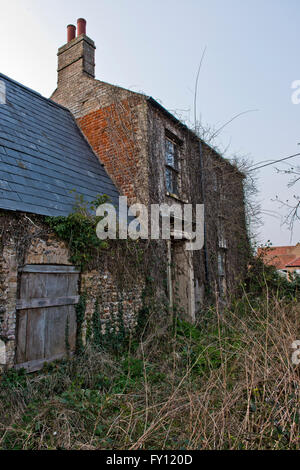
<point x="174" y="196"/>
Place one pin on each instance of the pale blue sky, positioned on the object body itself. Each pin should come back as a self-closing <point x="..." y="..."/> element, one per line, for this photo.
<point x="154" y="46"/>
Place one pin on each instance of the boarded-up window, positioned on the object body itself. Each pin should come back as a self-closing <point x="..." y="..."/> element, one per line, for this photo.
<point x="46" y="318"/>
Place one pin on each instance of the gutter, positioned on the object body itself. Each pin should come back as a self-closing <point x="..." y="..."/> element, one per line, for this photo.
<point x="167" y="113"/>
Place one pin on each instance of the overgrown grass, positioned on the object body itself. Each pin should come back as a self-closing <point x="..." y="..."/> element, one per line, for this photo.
<point x="227" y="383"/>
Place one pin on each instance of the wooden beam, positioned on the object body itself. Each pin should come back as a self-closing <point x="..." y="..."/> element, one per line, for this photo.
<point x="47" y="268"/>
<point x="33" y="366"/>
<point x="25" y="304"/>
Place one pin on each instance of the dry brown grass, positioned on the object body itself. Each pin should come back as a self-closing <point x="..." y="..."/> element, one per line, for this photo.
<point x="228" y="384"/>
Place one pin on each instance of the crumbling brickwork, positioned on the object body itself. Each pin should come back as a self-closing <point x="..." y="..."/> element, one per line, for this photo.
<point x="115" y="135"/>
<point x="114" y="121"/>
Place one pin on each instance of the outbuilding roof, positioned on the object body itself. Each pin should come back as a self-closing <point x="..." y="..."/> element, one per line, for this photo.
<point x="44" y="158"/>
<point x="294" y="264"/>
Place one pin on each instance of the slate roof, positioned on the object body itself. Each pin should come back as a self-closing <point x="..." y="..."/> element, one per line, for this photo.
<point x="44" y="156"/>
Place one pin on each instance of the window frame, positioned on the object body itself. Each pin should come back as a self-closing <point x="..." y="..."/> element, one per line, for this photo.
<point x="172" y="169"/>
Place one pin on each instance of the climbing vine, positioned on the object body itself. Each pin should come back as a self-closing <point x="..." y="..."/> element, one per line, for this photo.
<point x="78" y="230"/>
<point x="80" y="309"/>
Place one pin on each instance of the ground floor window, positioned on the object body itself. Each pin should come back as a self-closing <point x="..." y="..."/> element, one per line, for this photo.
<point x="222" y="272"/>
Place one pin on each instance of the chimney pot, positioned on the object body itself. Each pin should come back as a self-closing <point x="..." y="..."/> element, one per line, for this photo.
<point x="81" y="26"/>
<point x="71" y="32"/>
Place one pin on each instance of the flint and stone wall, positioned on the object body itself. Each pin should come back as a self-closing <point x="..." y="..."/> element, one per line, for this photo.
<point x="27" y="240"/>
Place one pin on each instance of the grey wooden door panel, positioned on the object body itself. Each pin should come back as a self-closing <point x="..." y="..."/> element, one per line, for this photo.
<point x="21" y="337"/>
<point x="45" y="314"/>
<point x="35" y="335"/>
<point x="55" y="331"/>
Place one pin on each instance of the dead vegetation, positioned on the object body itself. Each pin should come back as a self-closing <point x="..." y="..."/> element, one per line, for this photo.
<point x="227" y="383"/>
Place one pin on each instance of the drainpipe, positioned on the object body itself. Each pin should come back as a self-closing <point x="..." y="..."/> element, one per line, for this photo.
<point x="203" y="199"/>
<point x="169" y="276"/>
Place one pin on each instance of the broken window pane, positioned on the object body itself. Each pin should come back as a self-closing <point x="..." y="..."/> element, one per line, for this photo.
<point x="171" y="154"/>
<point x="171" y="181"/>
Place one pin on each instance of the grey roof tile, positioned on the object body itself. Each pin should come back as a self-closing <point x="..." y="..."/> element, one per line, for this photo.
<point x="44" y="157"/>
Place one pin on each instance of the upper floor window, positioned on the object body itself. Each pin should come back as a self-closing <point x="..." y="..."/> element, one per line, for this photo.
<point x="172" y="173"/>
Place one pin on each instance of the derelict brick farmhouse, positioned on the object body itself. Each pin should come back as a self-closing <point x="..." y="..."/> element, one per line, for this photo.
<point x="98" y="138"/>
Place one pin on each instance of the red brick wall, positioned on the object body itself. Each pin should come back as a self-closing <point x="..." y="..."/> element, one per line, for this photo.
<point x="112" y="131"/>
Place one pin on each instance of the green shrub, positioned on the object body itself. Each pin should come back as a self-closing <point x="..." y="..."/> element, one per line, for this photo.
<point x="78" y="230"/>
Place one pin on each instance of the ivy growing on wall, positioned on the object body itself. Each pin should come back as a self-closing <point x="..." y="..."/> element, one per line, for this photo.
<point x="78" y="230"/>
<point x="80" y="309"/>
<point x="114" y="336"/>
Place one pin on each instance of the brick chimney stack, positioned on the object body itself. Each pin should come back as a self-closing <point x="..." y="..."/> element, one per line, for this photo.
<point x="77" y="56"/>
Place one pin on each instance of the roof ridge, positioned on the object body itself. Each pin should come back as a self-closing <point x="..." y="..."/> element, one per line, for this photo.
<point x="122" y="88"/>
<point x="36" y="93"/>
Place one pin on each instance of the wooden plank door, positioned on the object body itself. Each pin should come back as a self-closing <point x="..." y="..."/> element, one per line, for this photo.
<point x="46" y="318"/>
<point x="183" y="280"/>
